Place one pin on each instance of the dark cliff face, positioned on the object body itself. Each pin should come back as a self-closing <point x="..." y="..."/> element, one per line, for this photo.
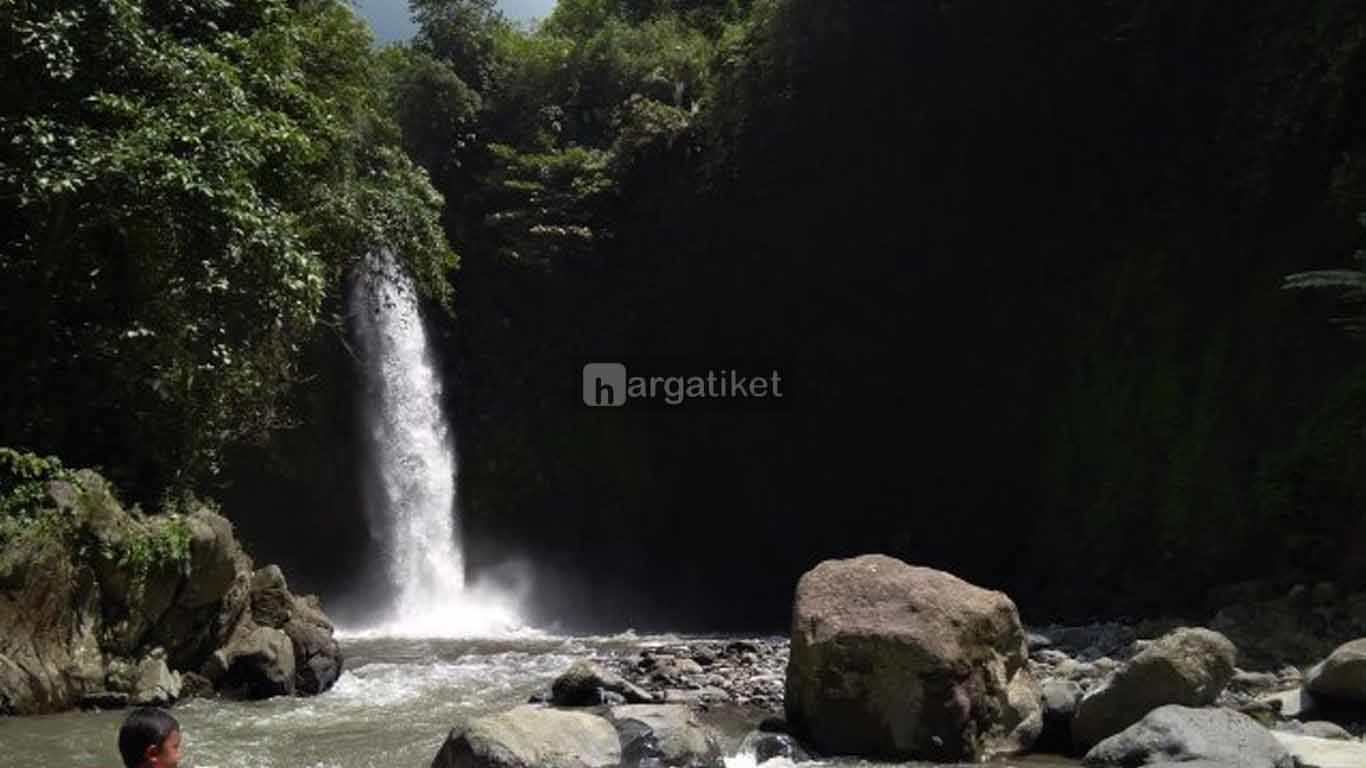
<point x="1020" y="265"/>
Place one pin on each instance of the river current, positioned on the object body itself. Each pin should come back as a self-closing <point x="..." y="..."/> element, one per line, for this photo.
<point x="392" y="708"/>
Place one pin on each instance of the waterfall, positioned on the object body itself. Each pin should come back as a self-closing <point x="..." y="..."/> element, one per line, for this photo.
<point x="413" y="463"/>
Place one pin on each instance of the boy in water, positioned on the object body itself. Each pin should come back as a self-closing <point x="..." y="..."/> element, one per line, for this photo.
<point x="150" y="738"/>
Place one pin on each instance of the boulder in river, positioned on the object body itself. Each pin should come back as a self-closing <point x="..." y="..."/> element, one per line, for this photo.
<point x="317" y="655"/>
<point x="1179" y="734"/>
<point x="894" y="661"/>
<point x="532" y="737"/>
<point x="1340" y="679"/>
<point x="1187" y="666"/>
<point x="768" y="745"/>
<point x="256" y="664"/>
<point x="1059" y="699"/>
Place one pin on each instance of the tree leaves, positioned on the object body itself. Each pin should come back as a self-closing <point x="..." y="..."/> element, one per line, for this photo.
<point x="182" y="185"/>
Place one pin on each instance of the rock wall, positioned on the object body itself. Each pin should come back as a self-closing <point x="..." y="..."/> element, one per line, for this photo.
<point x="101" y="606"/>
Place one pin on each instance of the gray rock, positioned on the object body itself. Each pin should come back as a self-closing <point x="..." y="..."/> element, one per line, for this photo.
<point x="894" y="661"/>
<point x="271" y="603"/>
<point x="1181" y="734"/>
<point x="668" y="733"/>
<point x="257" y="663"/>
<point x="1059" y="699"/>
<point x="1342" y="676"/>
<point x="532" y="737"/>
<point x="318" y="659"/>
<point x="195" y="686"/>
<point x="1189" y="667"/>
<point x="1311" y="752"/>
<point x="157" y="685"/>
<point x="585" y="684"/>
<point x="767" y="745"/>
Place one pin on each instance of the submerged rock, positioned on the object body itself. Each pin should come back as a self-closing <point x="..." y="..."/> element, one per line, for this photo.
<point x="767" y="745"/>
<point x="1181" y="735"/>
<point x="271" y="603"/>
<point x="894" y="661"/>
<point x="1188" y="666"/>
<point x="532" y="737"/>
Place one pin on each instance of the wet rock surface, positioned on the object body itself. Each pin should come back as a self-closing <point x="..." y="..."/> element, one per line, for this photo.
<point x="746" y="672"/>
<point x="98" y="627"/>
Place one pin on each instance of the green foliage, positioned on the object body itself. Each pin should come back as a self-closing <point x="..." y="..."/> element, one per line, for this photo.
<point x="436" y="111"/>
<point x="564" y="112"/>
<point x="152" y="545"/>
<point x="92" y="524"/>
<point x="548" y="205"/>
<point x="181" y="187"/>
<point x="23" y="484"/>
<point x="460" y="33"/>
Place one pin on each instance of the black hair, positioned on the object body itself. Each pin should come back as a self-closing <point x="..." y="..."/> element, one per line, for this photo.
<point x="143" y="728"/>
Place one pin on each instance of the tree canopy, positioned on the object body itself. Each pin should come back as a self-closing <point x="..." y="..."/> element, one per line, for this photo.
<point x="182" y="186"/>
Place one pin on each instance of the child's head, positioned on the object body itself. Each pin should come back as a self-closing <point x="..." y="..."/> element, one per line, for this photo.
<point x="150" y="738"/>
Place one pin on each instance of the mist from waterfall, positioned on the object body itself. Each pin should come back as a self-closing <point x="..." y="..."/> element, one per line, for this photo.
<point x="413" y="468"/>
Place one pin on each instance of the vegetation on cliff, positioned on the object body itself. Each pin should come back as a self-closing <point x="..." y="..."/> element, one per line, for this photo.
<point x="106" y="606"/>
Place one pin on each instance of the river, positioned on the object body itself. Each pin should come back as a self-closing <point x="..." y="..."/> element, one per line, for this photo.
<point x="392" y="708"/>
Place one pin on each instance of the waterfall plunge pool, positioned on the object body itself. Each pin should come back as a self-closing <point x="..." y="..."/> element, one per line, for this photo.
<point x="392" y="708"/>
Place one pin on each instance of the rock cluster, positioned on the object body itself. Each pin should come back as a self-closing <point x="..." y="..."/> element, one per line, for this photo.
<point x="84" y="626"/>
<point x="743" y="672"/>
<point x="630" y="736"/>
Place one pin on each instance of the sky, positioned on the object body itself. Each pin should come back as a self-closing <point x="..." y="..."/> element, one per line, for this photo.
<point x="389" y="18"/>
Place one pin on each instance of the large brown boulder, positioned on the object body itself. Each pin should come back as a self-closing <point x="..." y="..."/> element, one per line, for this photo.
<point x="894" y="661"/>
<point x="1187" y="666"/>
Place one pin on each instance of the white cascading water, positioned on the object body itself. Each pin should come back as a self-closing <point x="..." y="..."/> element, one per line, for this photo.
<point x="414" y="465"/>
